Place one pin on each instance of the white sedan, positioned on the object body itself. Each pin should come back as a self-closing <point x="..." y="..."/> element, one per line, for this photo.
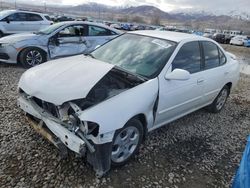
<point x="103" y="105"/>
<point x="238" y="40"/>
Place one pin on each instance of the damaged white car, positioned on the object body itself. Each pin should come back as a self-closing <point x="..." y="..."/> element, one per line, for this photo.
<point x="103" y="105"/>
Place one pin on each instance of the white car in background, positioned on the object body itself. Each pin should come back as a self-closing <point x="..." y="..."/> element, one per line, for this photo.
<point x="103" y="105"/>
<point x="238" y="40"/>
<point x="16" y="21"/>
<point x="58" y="40"/>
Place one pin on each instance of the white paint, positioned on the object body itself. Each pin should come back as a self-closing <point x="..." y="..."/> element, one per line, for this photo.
<point x="63" y="79"/>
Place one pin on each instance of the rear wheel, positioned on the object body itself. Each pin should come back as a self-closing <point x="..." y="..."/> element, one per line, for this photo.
<point x="219" y="101"/>
<point x="31" y="57"/>
<point x="126" y="142"/>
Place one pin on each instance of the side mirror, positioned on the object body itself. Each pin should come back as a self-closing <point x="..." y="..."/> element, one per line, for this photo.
<point x="7" y="20"/>
<point x="178" y="74"/>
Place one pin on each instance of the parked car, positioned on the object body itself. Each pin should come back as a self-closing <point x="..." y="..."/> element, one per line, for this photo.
<point x="58" y="40"/>
<point x="219" y="37"/>
<point x="228" y="38"/>
<point x="247" y="42"/>
<point x="64" y="18"/>
<point x="238" y="40"/>
<point x="16" y="21"/>
<point x="103" y="105"/>
<point x="208" y="35"/>
<point x="116" y="26"/>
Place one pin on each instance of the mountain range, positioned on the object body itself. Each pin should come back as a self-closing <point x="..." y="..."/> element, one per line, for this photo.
<point x="192" y="18"/>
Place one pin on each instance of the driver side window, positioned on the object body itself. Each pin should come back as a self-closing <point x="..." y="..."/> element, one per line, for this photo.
<point x="72" y="31"/>
<point x="188" y="58"/>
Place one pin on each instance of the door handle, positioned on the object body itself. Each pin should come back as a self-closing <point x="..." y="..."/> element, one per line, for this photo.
<point x="200" y="81"/>
<point x="226" y="73"/>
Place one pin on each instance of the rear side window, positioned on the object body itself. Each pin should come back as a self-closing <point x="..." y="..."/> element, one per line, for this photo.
<point x="223" y="58"/>
<point x="48" y="18"/>
<point x="34" y="17"/>
<point x="98" y="31"/>
<point x="211" y="55"/>
<point x="188" y="58"/>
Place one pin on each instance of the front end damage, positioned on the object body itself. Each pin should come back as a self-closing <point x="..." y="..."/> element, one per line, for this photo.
<point x="62" y="124"/>
<point x="65" y="133"/>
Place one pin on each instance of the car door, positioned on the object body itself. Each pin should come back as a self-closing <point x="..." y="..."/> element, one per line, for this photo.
<point x="34" y="22"/>
<point x="15" y="23"/>
<point x="177" y="98"/>
<point x="215" y="70"/>
<point x="66" y="42"/>
<point x="98" y="36"/>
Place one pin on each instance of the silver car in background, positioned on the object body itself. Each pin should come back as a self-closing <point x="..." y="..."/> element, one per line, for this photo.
<point x="18" y="21"/>
<point x="58" y="40"/>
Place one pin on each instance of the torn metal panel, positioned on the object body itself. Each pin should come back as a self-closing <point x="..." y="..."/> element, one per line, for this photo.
<point x="68" y="138"/>
<point x="124" y="106"/>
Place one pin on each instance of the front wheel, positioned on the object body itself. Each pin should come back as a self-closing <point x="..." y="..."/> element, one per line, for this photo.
<point x="220" y="100"/>
<point x="126" y="142"/>
<point x="31" y="57"/>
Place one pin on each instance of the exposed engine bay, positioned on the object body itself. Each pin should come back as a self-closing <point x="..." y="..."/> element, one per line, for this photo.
<point x="113" y="83"/>
<point x="67" y="115"/>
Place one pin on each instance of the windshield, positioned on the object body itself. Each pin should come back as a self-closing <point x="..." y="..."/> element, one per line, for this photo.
<point x="141" y="55"/>
<point x="5" y="13"/>
<point x="50" y="29"/>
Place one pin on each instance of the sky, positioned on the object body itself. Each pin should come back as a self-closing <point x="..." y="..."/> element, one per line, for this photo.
<point x="165" y="5"/>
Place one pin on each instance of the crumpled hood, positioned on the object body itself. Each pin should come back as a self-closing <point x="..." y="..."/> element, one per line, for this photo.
<point x="65" y="79"/>
<point x="18" y="37"/>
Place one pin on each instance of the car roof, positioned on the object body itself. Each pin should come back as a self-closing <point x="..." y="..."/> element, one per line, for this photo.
<point x="24" y="11"/>
<point x="91" y="23"/>
<point x="169" y="35"/>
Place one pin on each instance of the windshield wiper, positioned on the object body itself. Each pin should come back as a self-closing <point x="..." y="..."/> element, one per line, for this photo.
<point x="141" y="77"/>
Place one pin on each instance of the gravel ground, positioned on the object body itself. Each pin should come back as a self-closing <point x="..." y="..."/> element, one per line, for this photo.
<point x="199" y="150"/>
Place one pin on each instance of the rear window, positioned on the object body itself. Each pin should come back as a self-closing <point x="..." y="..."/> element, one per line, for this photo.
<point x="48" y="18"/>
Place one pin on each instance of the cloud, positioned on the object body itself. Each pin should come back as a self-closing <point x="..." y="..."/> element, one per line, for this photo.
<point x="167" y="5"/>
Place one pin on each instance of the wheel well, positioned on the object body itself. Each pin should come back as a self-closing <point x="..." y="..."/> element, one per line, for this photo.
<point x="229" y="85"/>
<point x="142" y="119"/>
<point x="18" y="56"/>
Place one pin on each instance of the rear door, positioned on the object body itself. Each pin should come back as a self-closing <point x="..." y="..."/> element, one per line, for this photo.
<point x="34" y="22"/>
<point x="98" y="35"/>
<point x="215" y="70"/>
<point x="177" y="98"/>
<point x="67" y="42"/>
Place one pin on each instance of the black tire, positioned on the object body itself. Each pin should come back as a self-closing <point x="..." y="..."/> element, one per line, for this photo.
<point x="130" y="125"/>
<point x="31" y="57"/>
<point x="219" y="101"/>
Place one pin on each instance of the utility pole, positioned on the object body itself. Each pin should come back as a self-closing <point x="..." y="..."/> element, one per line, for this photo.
<point x="15" y="4"/>
<point x="45" y="6"/>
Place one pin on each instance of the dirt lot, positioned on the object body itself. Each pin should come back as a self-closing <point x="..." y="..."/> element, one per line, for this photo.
<point x="199" y="150"/>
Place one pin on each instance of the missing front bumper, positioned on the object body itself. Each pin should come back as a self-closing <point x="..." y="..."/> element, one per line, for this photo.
<point x="50" y="127"/>
<point x="39" y="128"/>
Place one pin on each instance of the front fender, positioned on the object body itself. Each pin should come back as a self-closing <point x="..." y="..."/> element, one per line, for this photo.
<point x="115" y="112"/>
<point x="31" y="43"/>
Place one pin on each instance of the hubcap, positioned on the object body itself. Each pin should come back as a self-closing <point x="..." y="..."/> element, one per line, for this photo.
<point x="221" y="99"/>
<point x="125" y="144"/>
<point x="34" y="58"/>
